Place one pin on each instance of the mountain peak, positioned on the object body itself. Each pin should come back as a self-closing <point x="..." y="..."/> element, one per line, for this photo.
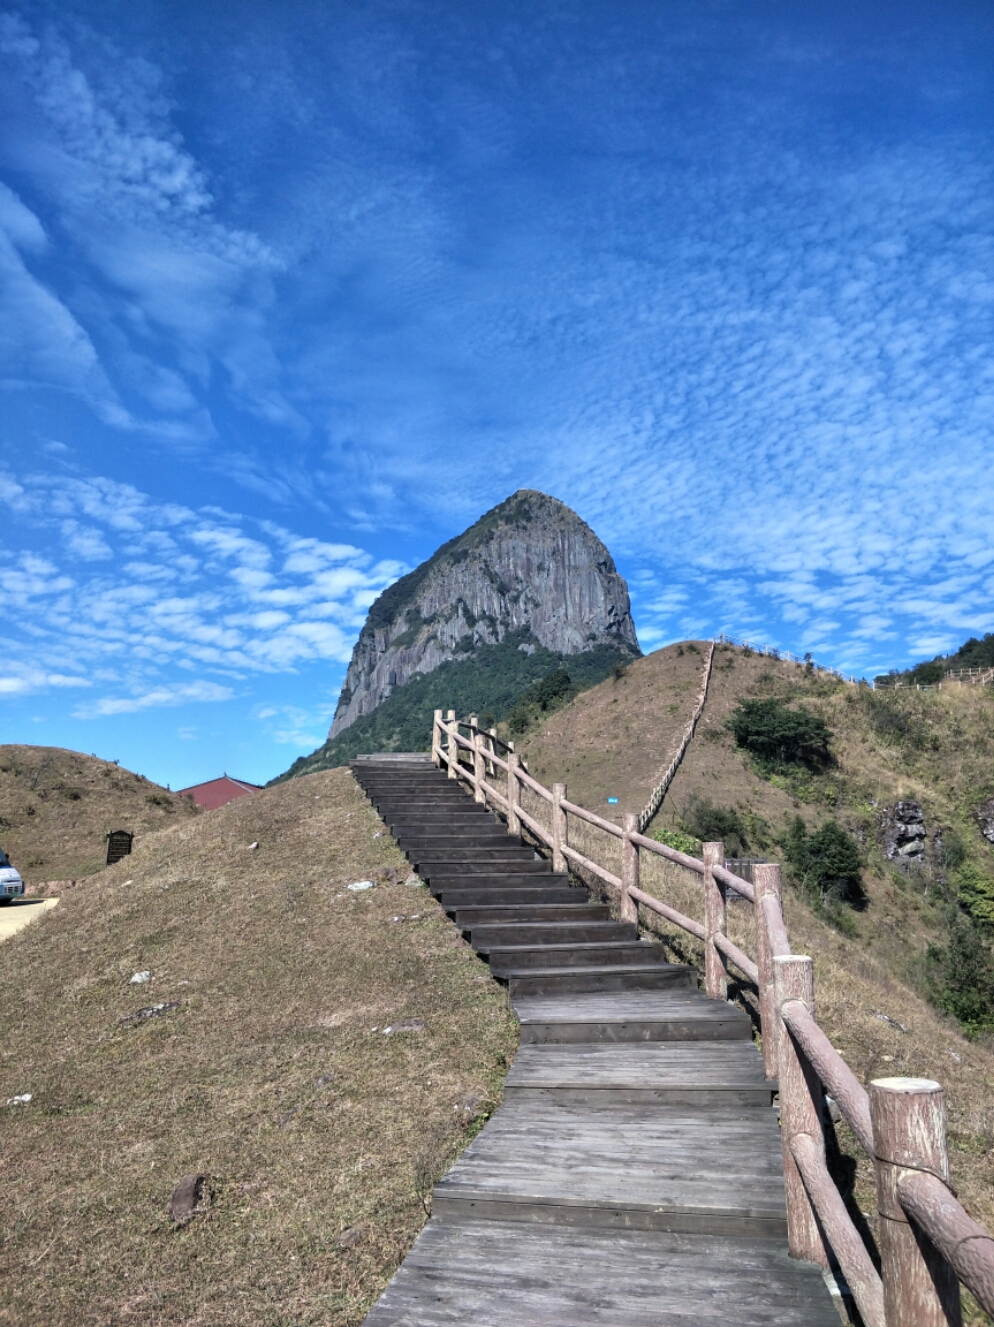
<point x="529" y="566"/>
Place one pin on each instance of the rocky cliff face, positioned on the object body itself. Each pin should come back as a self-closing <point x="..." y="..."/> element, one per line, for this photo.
<point x="529" y="566"/>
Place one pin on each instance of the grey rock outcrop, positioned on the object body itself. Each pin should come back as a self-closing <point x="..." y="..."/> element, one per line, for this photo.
<point x="904" y="834"/>
<point x="530" y="566"/>
<point x="985" y="819"/>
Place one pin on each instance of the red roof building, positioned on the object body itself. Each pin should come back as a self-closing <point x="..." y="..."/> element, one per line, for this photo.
<point x="219" y="792"/>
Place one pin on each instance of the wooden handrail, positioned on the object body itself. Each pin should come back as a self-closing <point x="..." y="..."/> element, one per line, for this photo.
<point x="735" y="882"/>
<point x="861" y="1276"/>
<point x="534" y="784"/>
<point x="672" y="854"/>
<point x="962" y="1242"/>
<point x="657" y="905"/>
<point x="536" y="827"/>
<point x="844" y="1087"/>
<point x="598" y="870"/>
<point x="777" y="931"/>
<point x="900" y="1123"/>
<point x="591" y="818"/>
<point x="741" y="961"/>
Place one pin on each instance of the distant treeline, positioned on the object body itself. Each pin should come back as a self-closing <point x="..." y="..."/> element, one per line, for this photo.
<point x="973" y="654"/>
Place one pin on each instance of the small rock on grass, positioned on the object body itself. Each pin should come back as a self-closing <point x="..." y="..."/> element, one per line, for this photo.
<point x="151" y="1011"/>
<point x="191" y="1195"/>
<point x="139" y="978"/>
<point x="408" y="1025"/>
<point x="348" y="1239"/>
<point x="358" y="886"/>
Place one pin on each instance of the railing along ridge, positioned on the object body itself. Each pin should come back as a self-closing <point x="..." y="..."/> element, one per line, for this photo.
<point x="785" y="656"/>
<point x="928" y="1242"/>
<point x="659" y="792"/>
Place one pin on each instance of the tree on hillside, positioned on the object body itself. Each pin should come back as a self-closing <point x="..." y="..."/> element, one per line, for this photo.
<point x="776" y="735"/>
<point x="827" y="861"/>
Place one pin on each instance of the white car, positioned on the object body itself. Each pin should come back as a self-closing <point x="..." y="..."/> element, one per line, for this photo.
<point x="11" y="884"/>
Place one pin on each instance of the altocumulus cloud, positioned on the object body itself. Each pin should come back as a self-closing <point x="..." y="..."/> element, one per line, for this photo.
<point x="130" y="597"/>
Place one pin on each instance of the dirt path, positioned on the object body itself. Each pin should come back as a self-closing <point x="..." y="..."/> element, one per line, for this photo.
<point x="14" y="916"/>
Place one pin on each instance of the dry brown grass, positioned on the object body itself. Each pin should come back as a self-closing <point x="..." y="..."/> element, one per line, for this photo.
<point x="616" y="739"/>
<point x="268" y="1077"/>
<point x="57" y="806"/>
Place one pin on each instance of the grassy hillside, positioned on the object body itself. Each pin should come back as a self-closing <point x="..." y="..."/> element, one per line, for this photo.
<point x="490" y="684"/>
<point x="616" y="738"/>
<point x="268" y="1070"/>
<point x="56" y="807"/>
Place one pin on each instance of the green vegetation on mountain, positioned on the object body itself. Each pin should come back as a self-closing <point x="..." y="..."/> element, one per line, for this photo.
<point x="515" y="677"/>
<point x="777" y="736"/>
<point x="973" y="653"/>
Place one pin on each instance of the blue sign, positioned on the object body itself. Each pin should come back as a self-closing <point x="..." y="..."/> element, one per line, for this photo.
<point x="612" y="801"/>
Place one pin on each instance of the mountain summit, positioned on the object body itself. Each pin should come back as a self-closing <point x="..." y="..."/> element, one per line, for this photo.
<point x="529" y="571"/>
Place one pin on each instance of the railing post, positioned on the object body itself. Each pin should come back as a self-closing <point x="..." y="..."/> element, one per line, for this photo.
<point x="715" y="923"/>
<point x="909" y="1134"/>
<point x="476" y="737"/>
<point x="492" y="748"/>
<point x="513" y="793"/>
<point x="436" y="739"/>
<point x="452" y="748"/>
<point x="559" y="829"/>
<point x="800" y="1104"/>
<point x="629" y="868"/>
<point x="766" y="880"/>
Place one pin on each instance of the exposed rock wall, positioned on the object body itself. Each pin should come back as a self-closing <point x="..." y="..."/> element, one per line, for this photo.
<point x="530" y="566"/>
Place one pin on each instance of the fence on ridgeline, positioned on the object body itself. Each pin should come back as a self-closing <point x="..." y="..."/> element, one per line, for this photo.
<point x="659" y="792"/>
<point x="928" y="1242"/>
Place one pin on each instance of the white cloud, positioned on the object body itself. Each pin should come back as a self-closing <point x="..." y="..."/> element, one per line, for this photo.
<point x="178" y="694"/>
<point x="147" y="593"/>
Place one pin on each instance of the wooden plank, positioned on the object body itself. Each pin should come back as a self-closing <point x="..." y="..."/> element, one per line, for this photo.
<point x="662" y="1167"/>
<point x="629" y="1016"/>
<point x="504" y="1274"/>
<point x="659" y="1064"/>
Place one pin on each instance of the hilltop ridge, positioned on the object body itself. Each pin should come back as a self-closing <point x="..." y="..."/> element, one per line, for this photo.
<point x="56" y="807"/>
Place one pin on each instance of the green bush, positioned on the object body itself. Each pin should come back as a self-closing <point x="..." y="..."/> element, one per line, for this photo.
<point x="778" y="736"/>
<point x="827" y="862"/>
<point x="976" y="892"/>
<point x="711" y="823"/>
<point x="675" y="838"/>
<point x="960" y="976"/>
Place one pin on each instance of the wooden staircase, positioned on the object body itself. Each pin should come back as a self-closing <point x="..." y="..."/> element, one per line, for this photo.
<point x="633" y="1174"/>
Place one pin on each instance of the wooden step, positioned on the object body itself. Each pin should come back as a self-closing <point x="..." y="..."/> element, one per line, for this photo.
<point x="593" y="979"/>
<point x="482" y="855"/>
<point x="511" y="880"/>
<point x="533" y="932"/>
<point x="575" y="954"/>
<point x="678" y="1014"/>
<point x="546" y="889"/>
<point x="673" y="1073"/>
<point x="512" y="1274"/>
<point x="496" y="869"/>
<point x="709" y="1170"/>
<point x="467" y="918"/>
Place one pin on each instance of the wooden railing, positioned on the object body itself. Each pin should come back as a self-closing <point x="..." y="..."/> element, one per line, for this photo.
<point x="928" y="1243"/>
<point x="659" y="792"/>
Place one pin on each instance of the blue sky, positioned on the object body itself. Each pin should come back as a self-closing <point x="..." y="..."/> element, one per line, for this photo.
<point x="290" y="293"/>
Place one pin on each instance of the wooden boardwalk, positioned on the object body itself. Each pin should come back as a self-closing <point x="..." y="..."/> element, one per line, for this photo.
<point x="633" y="1174"/>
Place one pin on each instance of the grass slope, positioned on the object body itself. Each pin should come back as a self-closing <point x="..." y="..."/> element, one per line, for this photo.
<point x="56" y="807"/>
<point x="489" y="683"/>
<point x="269" y="1076"/>
<point x="615" y="739"/>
